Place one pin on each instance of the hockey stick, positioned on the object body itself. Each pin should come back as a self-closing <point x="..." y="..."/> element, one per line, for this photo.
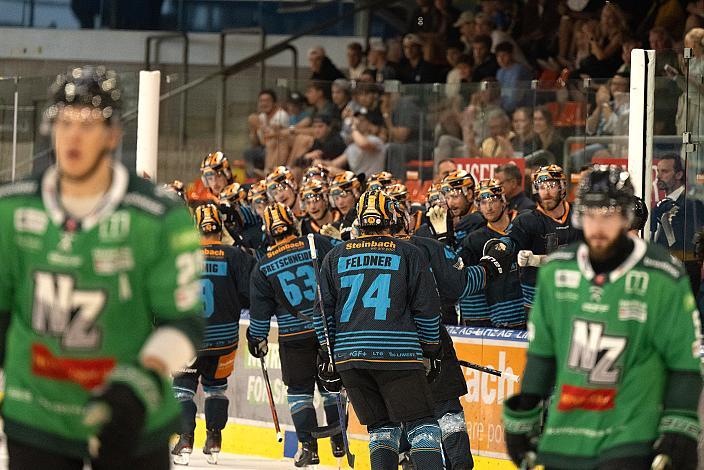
<point x="661" y="462"/>
<point x="338" y="396"/>
<point x="274" y="415"/>
<point x="489" y="370"/>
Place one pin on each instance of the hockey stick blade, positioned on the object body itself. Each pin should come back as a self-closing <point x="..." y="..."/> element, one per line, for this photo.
<point x="326" y="431"/>
<point x="489" y="370"/>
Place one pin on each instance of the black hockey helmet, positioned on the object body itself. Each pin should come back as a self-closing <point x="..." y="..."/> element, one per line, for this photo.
<point x="93" y="87"/>
<point x="374" y="210"/>
<point x="606" y="187"/>
<point x="208" y="219"/>
<point x="279" y="220"/>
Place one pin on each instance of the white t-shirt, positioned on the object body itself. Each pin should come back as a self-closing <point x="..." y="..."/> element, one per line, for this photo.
<point x="366" y="161"/>
<point x="279" y="121"/>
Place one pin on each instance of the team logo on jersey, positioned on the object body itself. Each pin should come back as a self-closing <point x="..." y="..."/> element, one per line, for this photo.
<point x="637" y="282"/>
<point x="567" y="278"/>
<point x="595" y="293"/>
<point x="632" y="310"/>
<point x="115" y="228"/>
<point x="107" y="261"/>
<point x="580" y="398"/>
<point x="31" y="220"/>
<point x="595" y="353"/>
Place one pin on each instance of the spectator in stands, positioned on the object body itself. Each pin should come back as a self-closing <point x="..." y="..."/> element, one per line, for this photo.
<point x="548" y="136"/>
<point x="402" y="117"/>
<point x="448" y="16"/>
<point x="413" y="68"/>
<point x="485" y="26"/>
<point x="349" y="110"/>
<point x="452" y="55"/>
<point x="461" y="73"/>
<point x="355" y="61"/>
<point x="498" y="144"/>
<point x="366" y="152"/>
<point x="318" y="99"/>
<point x="537" y="30"/>
<point x="690" y="110"/>
<point x="367" y="95"/>
<point x="263" y="127"/>
<point x="376" y="60"/>
<point x="629" y="44"/>
<point x="297" y="108"/>
<point x="573" y="14"/>
<point x="605" y="44"/>
<point x="524" y="141"/>
<point x="513" y="77"/>
<point x="509" y="176"/>
<point x="467" y="31"/>
<point x="668" y="92"/>
<point x="485" y="65"/>
<point x="321" y="67"/>
<point x="444" y="168"/>
<point x="327" y="144"/>
<point x="695" y="18"/>
<point x="341" y="96"/>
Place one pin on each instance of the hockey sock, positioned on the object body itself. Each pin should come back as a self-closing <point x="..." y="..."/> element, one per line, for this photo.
<point x="216" y="404"/>
<point x="188" y="409"/>
<point x="332" y="417"/>
<point x="302" y="415"/>
<point x="425" y="437"/>
<point x="383" y="447"/>
<point x="455" y="441"/>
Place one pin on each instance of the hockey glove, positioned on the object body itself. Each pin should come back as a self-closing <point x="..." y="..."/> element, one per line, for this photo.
<point x="258" y="347"/>
<point x="330" y="231"/>
<point x="677" y="446"/>
<point x="527" y="258"/>
<point x="118" y="412"/>
<point x="522" y="415"/>
<point x="497" y="258"/>
<point x="327" y="374"/>
<point x="440" y="223"/>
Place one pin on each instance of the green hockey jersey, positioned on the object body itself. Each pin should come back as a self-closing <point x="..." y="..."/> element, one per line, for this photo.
<point x="83" y="297"/>
<point x="615" y="340"/>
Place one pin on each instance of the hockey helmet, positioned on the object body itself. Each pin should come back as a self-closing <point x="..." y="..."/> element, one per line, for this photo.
<point x="344" y="182"/>
<point x="213" y="164"/>
<point x="92" y="87"/>
<point x="435" y="196"/>
<point x="208" y="219"/>
<point x="380" y="180"/>
<point x="398" y="192"/>
<point x="233" y="194"/>
<point x="459" y="180"/>
<point x="374" y="209"/>
<point x="489" y="188"/>
<point x="316" y="172"/>
<point x="279" y="220"/>
<point x="550" y="173"/>
<point x="257" y="193"/>
<point x="314" y="189"/>
<point x="606" y="187"/>
<point x="280" y="178"/>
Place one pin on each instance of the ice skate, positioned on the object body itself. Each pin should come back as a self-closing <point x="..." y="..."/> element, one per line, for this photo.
<point x="306" y="455"/>
<point x="183" y="449"/>
<point x="338" y="445"/>
<point x="212" y="446"/>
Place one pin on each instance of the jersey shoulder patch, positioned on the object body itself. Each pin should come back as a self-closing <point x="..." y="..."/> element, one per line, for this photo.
<point x="145" y="196"/>
<point x="658" y="258"/>
<point x="567" y="253"/>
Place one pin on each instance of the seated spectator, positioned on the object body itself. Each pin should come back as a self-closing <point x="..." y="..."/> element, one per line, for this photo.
<point x="461" y="73"/>
<point x="510" y="177"/>
<point x="485" y="26"/>
<point x="341" y="96"/>
<point x="605" y="44"/>
<point x="513" y="77"/>
<point x="548" y="137"/>
<point x="524" y="141"/>
<point x="366" y="153"/>
<point x="263" y="125"/>
<point x="413" y="68"/>
<point x="485" y="65"/>
<point x="321" y="67"/>
<point x="368" y="76"/>
<point x="537" y="30"/>
<point x="297" y="108"/>
<point x="498" y="144"/>
<point x="629" y="44"/>
<point x="355" y="61"/>
<point x="318" y="98"/>
<point x="467" y="31"/>
<point x="452" y="55"/>
<point x="327" y="145"/>
<point x="378" y="64"/>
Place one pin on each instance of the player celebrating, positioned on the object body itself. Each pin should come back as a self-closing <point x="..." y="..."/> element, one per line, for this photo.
<point x="609" y="313"/>
<point x="538" y="232"/>
<point x="93" y="257"/>
<point x="316" y="204"/>
<point x="241" y="222"/>
<point x="283" y="284"/>
<point x="501" y="304"/>
<point x="225" y="284"/>
<point x="344" y="191"/>
<point x="380" y="303"/>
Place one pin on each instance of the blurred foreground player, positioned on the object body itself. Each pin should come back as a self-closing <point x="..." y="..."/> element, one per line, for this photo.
<point x="615" y="327"/>
<point x="225" y="284"/>
<point x="100" y="288"/>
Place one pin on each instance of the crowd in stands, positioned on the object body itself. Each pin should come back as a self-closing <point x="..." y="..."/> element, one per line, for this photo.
<point x="512" y="85"/>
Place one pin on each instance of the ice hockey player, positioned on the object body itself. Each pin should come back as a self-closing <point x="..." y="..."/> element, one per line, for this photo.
<point x="281" y="187"/>
<point x="257" y="198"/>
<point x="225" y="291"/>
<point x="283" y="284"/>
<point x="344" y="192"/>
<point x="453" y="281"/>
<point x="99" y="296"/>
<point x="241" y="222"/>
<point x="380" y="303"/>
<point x="399" y="192"/>
<point x="615" y="328"/>
<point x="317" y="172"/>
<point x="460" y="217"/>
<point x="381" y="180"/>
<point x="316" y="204"/>
<point x="215" y="173"/>
<point x="500" y="305"/>
<point x="538" y="232"/>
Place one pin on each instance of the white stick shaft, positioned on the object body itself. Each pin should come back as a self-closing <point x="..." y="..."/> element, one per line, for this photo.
<point x="311" y="244"/>
<point x="148" y="124"/>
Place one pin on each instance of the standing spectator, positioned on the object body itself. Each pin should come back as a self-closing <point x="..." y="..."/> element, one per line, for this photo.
<point x="376" y="60"/>
<point x="355" y="61"/>
<point x="485" y="65"/>
<point x="513" y="77"/>
<point x="510" y="177"/>
<point x="413" y="68"/>
<point x="263" y="127"/>
<point x="660" y="41"/>
<point x="321" y="67"/>
<point x="467" y="31"/>
<point x="548" y="136"/>
<point x="524" y="140"/>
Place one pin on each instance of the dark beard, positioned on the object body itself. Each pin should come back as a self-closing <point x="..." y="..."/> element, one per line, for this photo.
<point x="612" y="256"/>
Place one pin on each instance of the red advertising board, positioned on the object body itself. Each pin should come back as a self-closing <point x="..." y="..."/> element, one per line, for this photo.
<point x="484" y="168"/>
